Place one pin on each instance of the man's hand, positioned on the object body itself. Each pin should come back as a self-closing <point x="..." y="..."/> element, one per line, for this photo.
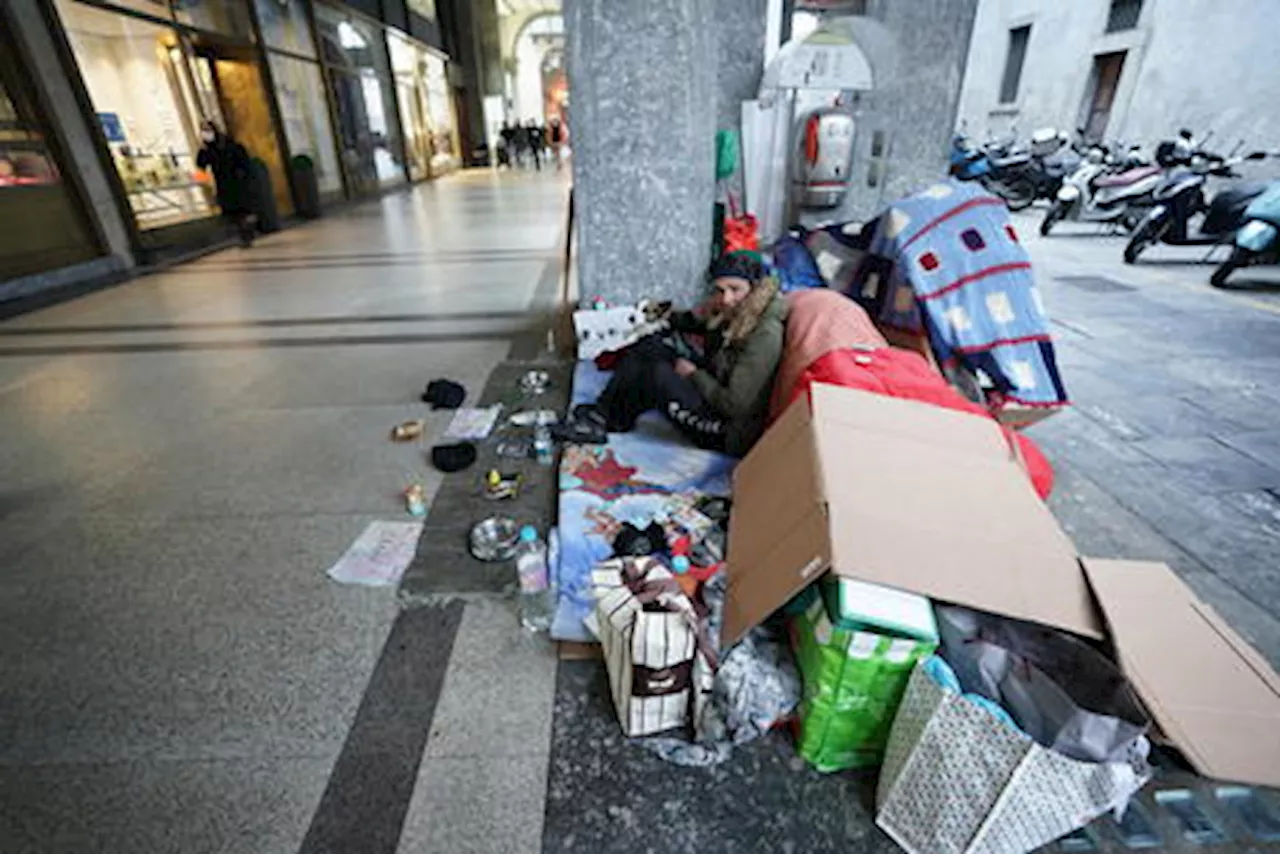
<point x="685" y="368"/>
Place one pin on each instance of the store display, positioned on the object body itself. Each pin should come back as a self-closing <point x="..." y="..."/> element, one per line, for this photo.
<point x="142" y="90"/>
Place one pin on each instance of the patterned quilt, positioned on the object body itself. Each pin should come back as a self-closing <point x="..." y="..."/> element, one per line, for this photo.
<point x="960" y="272"/>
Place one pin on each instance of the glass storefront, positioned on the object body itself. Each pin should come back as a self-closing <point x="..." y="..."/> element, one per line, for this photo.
<point x="440" y="108"/>
<point x="149" y="105"/>
<point x="228" y="17"/>
<point x="426" y="110"/>
<point x="300" y="96"/>
<point x="285" y="26"/>
<point x="355" y="55"/>
<point x="42" y="224"/>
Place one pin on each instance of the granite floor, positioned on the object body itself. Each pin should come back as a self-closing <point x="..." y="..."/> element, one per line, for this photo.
<point x="184" y="455"/>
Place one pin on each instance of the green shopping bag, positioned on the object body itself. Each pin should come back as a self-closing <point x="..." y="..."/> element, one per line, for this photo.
<point x="855" y="664"/>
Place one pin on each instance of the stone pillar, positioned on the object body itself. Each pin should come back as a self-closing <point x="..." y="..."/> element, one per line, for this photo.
<point x="740" y="31"/>
<point x="643" y="120"/>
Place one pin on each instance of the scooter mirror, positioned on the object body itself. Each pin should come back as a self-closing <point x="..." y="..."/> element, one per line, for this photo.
<point x="1256" y="155"/>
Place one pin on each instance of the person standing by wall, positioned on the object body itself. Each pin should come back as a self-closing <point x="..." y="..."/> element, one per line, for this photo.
<point x="228" y="160"/>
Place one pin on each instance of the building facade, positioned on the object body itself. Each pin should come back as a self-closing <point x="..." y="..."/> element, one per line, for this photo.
<point x="102" y="102"/>
<point x="1134" y="70"/>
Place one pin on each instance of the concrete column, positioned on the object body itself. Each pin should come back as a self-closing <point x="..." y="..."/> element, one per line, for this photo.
<point x="740" y="30"/>
<point x="64" y="113"/>
<point x="643" y="82"/>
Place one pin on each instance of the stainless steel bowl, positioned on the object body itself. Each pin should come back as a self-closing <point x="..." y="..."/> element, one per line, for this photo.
<point x="494" y="539"/>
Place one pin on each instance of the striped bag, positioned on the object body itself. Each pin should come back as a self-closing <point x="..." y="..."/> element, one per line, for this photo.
<point x="659" y="657"/>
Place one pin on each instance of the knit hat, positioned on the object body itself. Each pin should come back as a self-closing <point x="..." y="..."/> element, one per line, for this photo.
<point x="444" y="394"/>
<point x="451" y="458"/>
<point x="743" y="264"/>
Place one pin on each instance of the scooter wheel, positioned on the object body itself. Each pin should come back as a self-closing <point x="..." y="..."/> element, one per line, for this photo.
<point x="1237" y="259"/>
<point x="1141" y="239"/>
<point x="1019" y="194"/>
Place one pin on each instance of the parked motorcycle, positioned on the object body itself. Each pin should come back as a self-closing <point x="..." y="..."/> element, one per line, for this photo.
<point x="1257" y="241"/>
<point x="969" y="162"/>
<point x="1104" y="189"/>
<point x="1180" y="197"/>
<point x="1001" y="169"/>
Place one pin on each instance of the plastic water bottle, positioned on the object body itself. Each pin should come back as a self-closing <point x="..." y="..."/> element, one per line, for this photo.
<point x="537" y="594"/>
<point x="544" y="448"/>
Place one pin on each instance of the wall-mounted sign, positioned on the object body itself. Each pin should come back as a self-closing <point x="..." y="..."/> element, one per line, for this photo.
<point x="112" y="128"/>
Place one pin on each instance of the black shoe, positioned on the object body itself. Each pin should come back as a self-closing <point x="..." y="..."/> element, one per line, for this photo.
<point x="579" y="432"/>
<point x="589" y="413"/>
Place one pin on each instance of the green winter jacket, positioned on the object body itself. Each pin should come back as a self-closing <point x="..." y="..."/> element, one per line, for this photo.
<point x="737" y="377"/>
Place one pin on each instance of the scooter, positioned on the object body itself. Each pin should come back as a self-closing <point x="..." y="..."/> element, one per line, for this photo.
<point x="1180" y="196"/>
<point x="1104" y="191"/>
<point x="1258" y="240"/>
<point x="1002" y="171"/>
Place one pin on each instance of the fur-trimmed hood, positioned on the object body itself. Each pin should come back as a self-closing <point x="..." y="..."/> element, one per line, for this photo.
<point x="738" y="325"/>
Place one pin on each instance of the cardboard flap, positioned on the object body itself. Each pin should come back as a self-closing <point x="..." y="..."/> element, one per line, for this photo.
<point x="1214" y="696"/>
<point x="778" y="530"/>
<point x="933" y="501"/>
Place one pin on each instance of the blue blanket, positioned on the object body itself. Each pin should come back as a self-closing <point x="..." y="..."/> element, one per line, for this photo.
<point x="629" y="479"/>
<point x="960" y="273"/>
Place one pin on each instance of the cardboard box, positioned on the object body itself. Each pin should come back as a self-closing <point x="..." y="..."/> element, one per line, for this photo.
<point x="932" y="501"/>
<point x="855" y="671"/>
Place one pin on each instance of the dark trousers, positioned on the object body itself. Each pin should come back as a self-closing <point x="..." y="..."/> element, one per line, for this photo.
<point x="245" y="225"/>
<point x="642" y="382"/>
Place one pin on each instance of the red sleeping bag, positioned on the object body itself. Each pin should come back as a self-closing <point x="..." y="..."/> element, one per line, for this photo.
<point x="901" y="373"/>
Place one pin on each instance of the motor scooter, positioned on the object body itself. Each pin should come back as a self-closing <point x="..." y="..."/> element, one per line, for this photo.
<point x="1002" y="170"/>
<point x="1257" y="241"/>
<point x="1104" y="189"/>
<point x="1180" y="197"/>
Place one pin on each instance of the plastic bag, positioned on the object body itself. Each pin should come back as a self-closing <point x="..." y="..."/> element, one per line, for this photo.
<point x="1060" y="691"/>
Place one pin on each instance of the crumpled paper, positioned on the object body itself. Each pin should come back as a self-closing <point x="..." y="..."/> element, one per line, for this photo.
<point x="756" y="686"/>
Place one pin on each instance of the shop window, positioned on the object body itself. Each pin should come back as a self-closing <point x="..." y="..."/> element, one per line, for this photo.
<point x="41" y="219"/>
<point x="300" y="95"/>
<point x="285" y="26"/>
<point x="440" y="111"/>
<point x="348" y="41"/>
<point x="229" y="17"/>
<point x="355" y="50"/>
<point x="148" y="105"/>
<point x="1013" y="61"/>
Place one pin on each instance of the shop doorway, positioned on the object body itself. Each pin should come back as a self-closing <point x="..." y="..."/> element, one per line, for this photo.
<point x="230" y="87"/>
<point x="1106" y="79"/>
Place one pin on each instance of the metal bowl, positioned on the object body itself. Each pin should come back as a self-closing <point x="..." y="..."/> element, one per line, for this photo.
<point x="494" y="539"/>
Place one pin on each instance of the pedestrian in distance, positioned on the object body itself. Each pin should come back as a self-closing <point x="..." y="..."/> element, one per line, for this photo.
<point x="556" y="134"/>
<point x="534" y="140"/>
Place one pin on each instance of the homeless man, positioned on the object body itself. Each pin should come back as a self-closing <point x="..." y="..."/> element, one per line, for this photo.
<point x="719" y="400"/>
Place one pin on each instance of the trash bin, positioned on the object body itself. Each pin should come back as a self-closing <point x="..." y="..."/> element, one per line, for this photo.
<point x="264" y="197"/>
<point x="306" y="187"/>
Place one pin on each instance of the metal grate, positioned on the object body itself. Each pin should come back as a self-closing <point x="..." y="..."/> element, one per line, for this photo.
<point x="1095" y="284"/>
